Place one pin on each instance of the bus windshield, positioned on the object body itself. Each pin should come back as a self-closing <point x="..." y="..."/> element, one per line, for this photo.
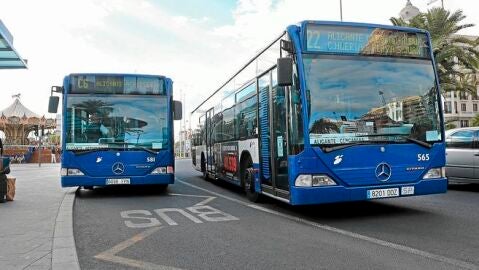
<point x="371" y="99"/>
<point x="118" y="122"/>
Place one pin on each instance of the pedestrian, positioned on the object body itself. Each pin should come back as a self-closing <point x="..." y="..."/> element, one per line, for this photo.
<point x="54" y="155"/>
<point x="4" y="170"/>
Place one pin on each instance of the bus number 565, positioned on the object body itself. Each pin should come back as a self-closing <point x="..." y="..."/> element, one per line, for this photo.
<point x="422" y="157"/>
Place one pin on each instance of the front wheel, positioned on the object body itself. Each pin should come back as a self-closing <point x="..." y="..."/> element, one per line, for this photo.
<point x="251" y="194"/>
<point x="162" y="188"/>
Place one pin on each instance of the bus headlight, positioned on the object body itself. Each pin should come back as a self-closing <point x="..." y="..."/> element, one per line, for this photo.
<point x="308" y="180"/>
<point x="435" y="173"/>
<point x="159" y="170"/>
<point x="70" y="172"/>
<point x="322" y="180"/>
<point x="304" y="180"/>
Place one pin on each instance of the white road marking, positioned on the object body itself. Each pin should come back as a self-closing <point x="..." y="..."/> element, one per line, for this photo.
<point x="144" y="218"/>
<point x="208" y="198"/>
<point x="425" y="254"/>
<point x="110" y="255"/>
<point x="205" y="201"/>
<point x="162" y="213"/>
<point x="204" y="211"/>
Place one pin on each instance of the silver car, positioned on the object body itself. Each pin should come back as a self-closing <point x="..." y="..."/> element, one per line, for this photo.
<point x="462" y="155"/>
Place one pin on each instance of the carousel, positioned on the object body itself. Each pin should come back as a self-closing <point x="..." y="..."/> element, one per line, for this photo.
<point x="17" y="121"/>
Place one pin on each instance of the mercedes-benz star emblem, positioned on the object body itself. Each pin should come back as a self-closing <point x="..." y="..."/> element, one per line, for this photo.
<point x="383" y="172"/>
<point x="118" y="168"/>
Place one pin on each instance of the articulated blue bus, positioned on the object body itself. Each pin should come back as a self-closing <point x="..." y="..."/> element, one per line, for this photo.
<point x="117" y="129"/>
<point x="328" y="112"/>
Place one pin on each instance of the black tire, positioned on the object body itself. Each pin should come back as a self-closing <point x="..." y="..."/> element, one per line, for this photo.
<point x="203" y="168"/>
<point x="162" y="188"/>
<point x="248" y="183"/>
<point x="88" y="187"/>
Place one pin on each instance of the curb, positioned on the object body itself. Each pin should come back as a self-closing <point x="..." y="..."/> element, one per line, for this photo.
<point x="64" y="253"/>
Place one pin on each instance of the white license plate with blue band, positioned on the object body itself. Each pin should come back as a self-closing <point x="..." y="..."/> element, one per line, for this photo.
<point x="383" y="193"/>
<point x="409" y="190"/>
<point x="118" y="181"/>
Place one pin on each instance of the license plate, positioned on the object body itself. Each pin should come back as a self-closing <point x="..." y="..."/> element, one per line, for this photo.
<point x="407" y="191"/>
<point x="118" y="181"/>
<point x="383" y="193"/>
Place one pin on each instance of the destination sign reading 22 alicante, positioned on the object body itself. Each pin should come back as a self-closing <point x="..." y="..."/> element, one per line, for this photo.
<point x="365" y="41"/>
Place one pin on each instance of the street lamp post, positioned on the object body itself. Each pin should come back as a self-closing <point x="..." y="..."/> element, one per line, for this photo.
<point x="432" y="1"/>
<point x="341" y="9"/>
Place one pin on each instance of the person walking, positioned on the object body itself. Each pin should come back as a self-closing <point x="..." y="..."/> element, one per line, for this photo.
<point x="54" y="155"/>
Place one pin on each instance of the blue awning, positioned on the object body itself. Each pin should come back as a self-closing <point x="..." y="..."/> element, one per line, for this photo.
<point x="9" y="58"/>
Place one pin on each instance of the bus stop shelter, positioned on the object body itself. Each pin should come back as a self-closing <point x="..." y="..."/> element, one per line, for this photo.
<point x="9" y="57"/>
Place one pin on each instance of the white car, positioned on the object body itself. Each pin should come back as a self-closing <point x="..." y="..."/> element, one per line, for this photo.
<point x="462" y="155"/>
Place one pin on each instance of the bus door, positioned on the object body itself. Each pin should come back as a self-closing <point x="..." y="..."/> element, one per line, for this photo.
<point x="273" y="140"/>
<point x="279" y="139"/>
<point x="209" y="140"/>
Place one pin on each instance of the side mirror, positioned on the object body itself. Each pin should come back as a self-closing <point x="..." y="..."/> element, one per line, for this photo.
<point x="53" y="104"/>
<point x="285" y="71"/>
<point x="57" y="89"/>
<point x="177" y="110"/>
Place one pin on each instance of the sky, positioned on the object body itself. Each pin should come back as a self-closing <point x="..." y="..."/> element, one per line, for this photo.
<point x="197" y="43"/>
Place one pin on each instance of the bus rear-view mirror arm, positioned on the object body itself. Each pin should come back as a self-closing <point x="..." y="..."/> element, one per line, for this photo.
<point x="285" y="71"/>
<point x="54" y="100"/>
<point x="177" y="110"/>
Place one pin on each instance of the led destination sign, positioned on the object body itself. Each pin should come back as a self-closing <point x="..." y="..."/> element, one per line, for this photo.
<point x="365" y="41"/>
<point x="117" y="84"/>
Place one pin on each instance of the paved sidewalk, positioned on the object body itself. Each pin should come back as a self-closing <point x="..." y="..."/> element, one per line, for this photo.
<point x="27" y="225"/>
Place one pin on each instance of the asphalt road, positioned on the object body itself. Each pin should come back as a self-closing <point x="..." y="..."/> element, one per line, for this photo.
<point x="209" y="225"/>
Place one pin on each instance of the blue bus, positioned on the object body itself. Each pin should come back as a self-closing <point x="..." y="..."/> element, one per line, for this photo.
<point x="117" y="129"/>
<point x="328" y="112"/>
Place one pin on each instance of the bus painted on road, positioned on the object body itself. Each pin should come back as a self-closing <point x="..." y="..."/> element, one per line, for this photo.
<point x="117" y="129"/>
<point x="328" y="112"/>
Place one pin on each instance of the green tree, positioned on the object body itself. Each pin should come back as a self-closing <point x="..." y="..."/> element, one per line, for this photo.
<point x="449" y="126"/>
<point x="457" y="57"/>
<point x="475" y="120"/>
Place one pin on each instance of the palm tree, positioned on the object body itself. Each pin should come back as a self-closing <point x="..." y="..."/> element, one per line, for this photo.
<point x="457" y="57"/>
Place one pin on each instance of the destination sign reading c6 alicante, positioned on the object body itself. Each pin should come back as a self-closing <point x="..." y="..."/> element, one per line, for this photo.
<point x="365" y="41"/>
<point x="116" y="84"/>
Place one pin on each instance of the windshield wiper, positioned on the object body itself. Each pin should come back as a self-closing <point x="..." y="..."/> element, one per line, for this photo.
<point x="84" y="152"/>
<point x="419" y="142"/>
<point x="137" y="147"/>
<point x="402" y="135"/>
<point x="342" y="146"/>
<point x="145" y="149"/>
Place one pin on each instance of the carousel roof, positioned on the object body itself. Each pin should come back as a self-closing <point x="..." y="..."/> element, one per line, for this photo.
<point x="19" y="110"/>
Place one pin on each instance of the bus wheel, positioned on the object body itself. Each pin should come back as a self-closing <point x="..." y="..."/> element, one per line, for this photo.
<point x="251" y="194"/>
<point x="203" y="168"/>
<point x="88" y="187"/>
<point x="162" y="188"/>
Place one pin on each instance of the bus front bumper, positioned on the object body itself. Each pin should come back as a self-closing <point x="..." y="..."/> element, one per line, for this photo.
<point x="331" y="194"/>
<point x="75" y="181"/>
